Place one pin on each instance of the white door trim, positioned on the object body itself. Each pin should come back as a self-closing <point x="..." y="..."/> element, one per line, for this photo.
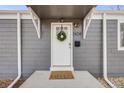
<point x="71" y="64"/>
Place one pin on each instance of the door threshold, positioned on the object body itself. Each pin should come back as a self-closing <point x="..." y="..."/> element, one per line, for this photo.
<point x="65" y="68"/>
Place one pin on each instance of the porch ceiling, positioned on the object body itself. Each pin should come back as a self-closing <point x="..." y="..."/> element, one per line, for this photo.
<point x="61" y="11"/>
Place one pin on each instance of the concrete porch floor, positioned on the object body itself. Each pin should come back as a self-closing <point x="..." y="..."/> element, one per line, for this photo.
<point x="40" y="79"/>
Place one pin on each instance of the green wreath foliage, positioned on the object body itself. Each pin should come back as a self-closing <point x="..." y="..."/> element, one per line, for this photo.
<point x="61" y="36"/>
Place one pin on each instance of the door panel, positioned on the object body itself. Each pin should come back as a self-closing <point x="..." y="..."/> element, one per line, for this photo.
<point x="61" y="50"/>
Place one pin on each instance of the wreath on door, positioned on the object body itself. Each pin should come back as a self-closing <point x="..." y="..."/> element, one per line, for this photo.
<point x="61" y="36"/>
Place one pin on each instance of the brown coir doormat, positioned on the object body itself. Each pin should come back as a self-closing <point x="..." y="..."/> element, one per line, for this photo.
<point x="61" y="75"/>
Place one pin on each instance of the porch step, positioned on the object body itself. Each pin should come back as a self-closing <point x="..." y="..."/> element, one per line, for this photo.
<point x="61" y="75"/>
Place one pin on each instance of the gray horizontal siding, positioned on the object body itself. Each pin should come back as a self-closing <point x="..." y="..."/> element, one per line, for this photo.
<point x="36" y="52"/>
<point x="115" y="57"/>
<point x="89" y="55"/>
<point x="8" y="49"/>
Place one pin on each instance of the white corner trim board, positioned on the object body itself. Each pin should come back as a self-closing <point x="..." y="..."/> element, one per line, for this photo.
<point x="105" y="52"/>
<point x="18" y="50"/>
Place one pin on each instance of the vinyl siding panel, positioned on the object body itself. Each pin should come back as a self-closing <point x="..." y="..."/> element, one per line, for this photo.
<point x="8" y="49"/>
<point x="36" y="53"/>
<point x="89" y="55"/>
<point x="115" y="57"/>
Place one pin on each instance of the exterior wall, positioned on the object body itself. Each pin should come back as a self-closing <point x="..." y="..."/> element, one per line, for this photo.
<point x="36" y="52"/>
<point x="8" y="49"/>
<point x="115" y="57"/>
<point x="89" y="55"/>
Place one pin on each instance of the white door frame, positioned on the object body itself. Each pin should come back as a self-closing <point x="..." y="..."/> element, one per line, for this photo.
<point x="52" y="68"/>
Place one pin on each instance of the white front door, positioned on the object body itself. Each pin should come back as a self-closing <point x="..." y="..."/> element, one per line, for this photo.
<point x="61" y="46"/>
